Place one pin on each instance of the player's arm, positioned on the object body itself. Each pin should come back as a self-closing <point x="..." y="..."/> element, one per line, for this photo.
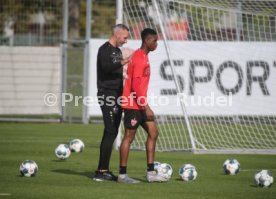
<point x="141" y="97"/>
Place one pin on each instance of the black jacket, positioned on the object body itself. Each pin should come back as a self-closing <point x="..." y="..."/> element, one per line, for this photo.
<point x="109" y="69"/>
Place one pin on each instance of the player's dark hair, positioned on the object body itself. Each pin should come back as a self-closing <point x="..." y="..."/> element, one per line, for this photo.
<point x="146" y="32"/>
<point x="119" y="26"/>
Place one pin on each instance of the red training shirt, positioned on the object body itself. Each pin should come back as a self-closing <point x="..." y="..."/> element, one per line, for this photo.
<point x="137" y="81"/>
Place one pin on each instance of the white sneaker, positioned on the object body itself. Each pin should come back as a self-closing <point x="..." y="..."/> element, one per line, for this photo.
<point x="123" y="178"/>
<point x="152" y="176"/>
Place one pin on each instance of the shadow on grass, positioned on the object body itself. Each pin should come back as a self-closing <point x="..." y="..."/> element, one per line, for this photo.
<point x="71" y="172"/>
<point x="59" y="160"/>
<point x="254" y="186"/>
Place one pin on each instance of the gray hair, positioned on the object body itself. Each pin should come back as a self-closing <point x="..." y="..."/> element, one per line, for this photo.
<point x="119" y="27"/>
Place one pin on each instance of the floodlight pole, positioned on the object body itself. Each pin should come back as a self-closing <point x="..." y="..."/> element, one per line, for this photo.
<point x="119" y="20"/>
<point x="119" y="11"/>
<point x="85" y="112"/>
<point x="64" y="58"/>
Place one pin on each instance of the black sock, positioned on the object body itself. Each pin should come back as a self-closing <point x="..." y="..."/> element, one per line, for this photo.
<point x="150" y="167"/>
<point x="123" y="170"/>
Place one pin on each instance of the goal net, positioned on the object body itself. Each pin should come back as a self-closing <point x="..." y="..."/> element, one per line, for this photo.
<point x="213" y="74"/>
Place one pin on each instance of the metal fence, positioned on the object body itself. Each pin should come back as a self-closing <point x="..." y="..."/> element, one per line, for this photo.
<point x="61" y="24"/>
<point x="30" y="22"/>
<point x="40" y="22"/>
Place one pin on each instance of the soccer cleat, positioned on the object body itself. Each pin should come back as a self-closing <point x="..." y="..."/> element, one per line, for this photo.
<point x="152" y="176"/>
<point x="123" y="178"/>
<point x="104" y="176"/>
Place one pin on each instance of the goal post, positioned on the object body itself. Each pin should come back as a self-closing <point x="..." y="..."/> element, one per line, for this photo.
<point x="215" y="68"/>
<point x="174" y="74"/>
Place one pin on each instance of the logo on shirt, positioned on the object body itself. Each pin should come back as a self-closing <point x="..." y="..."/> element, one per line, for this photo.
<point x="133" y="122"/>
<point x="116" y="57"/>
<point x="147" y="71"/>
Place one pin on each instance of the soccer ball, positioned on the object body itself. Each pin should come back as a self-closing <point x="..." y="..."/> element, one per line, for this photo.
<point x="187" y="172"/>
<point x="76" y="145"/>
<point x="62" y="151"/>
<point x="156" y="164"/>
<point x="231" y="166"/>
<point x="263" y="178"/>
<point x="28" y="168"/>
<point x="165" y="170"/>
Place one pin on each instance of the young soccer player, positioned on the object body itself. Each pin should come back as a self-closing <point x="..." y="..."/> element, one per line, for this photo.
<point x="136" y="109"/>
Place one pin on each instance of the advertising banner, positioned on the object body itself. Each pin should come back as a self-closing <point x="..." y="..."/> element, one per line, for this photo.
<point x="214" y="78"/>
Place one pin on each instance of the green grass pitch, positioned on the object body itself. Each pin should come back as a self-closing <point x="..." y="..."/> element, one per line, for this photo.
<point x="72" y="178"/>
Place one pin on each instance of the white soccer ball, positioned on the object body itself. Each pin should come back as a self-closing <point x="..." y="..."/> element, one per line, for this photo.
<point x="62" y="151"/>
<point x="165" y="170"/>
<point x="187" y="172"/>
<point x="156" y="164"/>
<point x="231" y="166"/>
<point x="263" y="178"/>
<point x="28" y="168"/>
<point x="76" y="145"/>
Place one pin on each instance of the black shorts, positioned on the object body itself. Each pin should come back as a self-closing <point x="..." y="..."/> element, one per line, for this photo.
<point x="133" y="118"/>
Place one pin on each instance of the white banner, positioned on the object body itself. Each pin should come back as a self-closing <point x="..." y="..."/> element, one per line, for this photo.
<point x="215" y="78"/>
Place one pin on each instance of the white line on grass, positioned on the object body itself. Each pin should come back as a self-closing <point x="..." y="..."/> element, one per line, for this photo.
<point x="5" y="194"/>
<point x="257" y="169"/>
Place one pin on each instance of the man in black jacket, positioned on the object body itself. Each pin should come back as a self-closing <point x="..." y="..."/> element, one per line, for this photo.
<point x="110" y="86"/>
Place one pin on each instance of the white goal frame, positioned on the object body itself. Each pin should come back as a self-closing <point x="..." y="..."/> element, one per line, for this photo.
<point x="195" y="137"/>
